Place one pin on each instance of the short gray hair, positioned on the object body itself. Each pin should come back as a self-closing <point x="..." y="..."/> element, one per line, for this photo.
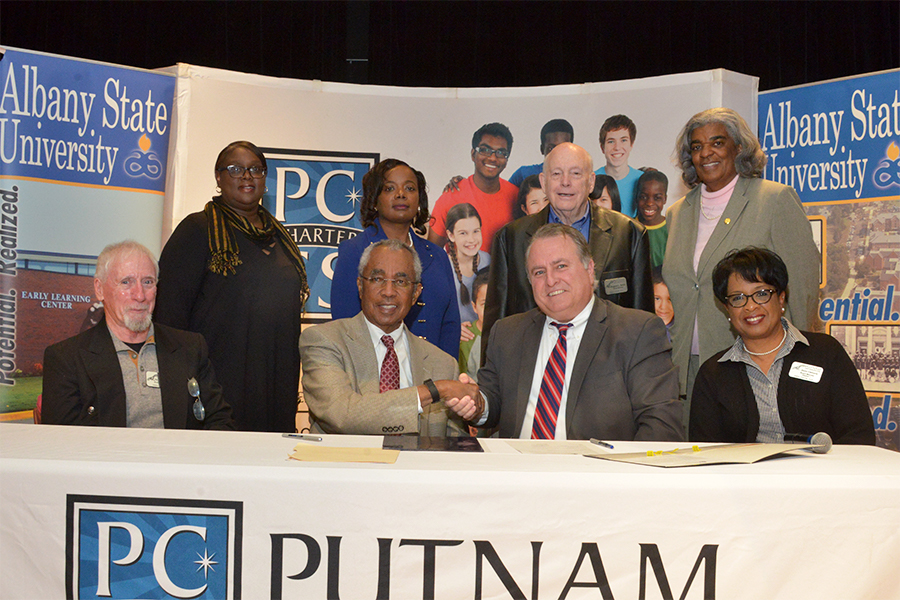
<point x="390" y="245"/>
<point x="552" y="230"/>
<point x="119" y="250"/>
<point x="750" y="161"/>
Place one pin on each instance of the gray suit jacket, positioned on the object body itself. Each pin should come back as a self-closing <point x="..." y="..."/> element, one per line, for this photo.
<point x="341" y="384"/>
<point x="760" y="213"/>
<point x="623" y="387"/>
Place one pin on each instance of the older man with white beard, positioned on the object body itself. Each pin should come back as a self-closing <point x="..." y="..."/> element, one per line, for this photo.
<point x="127" y="371"/>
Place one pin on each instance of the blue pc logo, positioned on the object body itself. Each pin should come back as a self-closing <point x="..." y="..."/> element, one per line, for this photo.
<point x="118" y="547"/>
<point x="316" y="194"/>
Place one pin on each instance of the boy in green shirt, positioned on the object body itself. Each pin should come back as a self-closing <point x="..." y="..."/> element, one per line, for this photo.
<point x="653" y="187"/>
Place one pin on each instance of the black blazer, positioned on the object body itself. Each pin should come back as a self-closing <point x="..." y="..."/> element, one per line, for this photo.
<point x="723" y="407"/>
<point x="83" y="381"/>
<point x="620" y="249"/>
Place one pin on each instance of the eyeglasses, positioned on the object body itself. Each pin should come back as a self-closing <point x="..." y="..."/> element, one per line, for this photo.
<point x="236" y="171"/>
<point x="381" y="282"/>
<point x="740" y="299"/>
<point x="487" y="151"/>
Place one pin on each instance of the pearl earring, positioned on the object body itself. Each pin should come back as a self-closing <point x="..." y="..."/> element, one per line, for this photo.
<point x="218" y="190"/>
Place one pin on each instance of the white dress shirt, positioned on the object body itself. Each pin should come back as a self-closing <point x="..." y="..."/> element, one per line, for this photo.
<point x="401" y="347"/>
<point x="549" y="336"/>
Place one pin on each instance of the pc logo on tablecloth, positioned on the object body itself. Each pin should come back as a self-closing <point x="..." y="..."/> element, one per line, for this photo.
<point x="121" y="547"/>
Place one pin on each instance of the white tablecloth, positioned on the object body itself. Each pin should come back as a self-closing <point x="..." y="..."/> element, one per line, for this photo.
<point x="454" y="525"/>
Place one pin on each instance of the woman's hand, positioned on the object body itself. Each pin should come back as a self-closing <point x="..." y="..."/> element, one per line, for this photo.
<point x="465" y="334"/>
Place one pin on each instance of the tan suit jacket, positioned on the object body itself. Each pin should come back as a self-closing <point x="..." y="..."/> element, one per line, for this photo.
<point x="341" y="384"/>
<point x="760" y="213"/>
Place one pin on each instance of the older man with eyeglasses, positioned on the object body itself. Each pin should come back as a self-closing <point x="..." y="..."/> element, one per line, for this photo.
<point x="367" y="374"/>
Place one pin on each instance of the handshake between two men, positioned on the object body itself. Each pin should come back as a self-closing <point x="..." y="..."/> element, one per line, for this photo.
<point x="362" y="375"/>
<point x="464" y="399"/>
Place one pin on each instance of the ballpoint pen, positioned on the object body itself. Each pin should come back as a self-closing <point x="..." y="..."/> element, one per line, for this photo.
<point x="302" y="436"/>
<point x="596" y="441"/>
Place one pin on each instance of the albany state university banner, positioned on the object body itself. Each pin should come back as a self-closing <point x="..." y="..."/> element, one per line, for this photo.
<point x="838" y="144"/>
<point x="83" y="153"/>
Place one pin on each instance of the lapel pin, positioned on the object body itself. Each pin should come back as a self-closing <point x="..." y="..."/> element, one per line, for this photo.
<point x="728" y="221"/>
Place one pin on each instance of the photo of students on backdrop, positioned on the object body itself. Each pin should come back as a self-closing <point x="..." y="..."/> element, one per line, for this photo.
<point x="606" y="193"/>
<point x="652" y="189"/>
<point x="464" y="249"/>
<point x="553" y="133"/>
<point x="662" y="302"/>
<point x="493" y="197"/>
<point x="532" y="198"/>
<point x="617" y="135"/>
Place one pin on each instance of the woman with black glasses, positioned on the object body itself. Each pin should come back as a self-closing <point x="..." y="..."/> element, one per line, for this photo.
<point x="775" y="379"/>
<point x="233" y="273"/>
<point x="730" y="206"/>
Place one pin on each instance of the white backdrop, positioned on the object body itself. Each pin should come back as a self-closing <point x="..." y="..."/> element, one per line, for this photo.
<point x="430" y="128"/>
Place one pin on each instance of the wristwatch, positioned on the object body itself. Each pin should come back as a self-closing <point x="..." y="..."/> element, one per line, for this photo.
<point x="435" y="394"/>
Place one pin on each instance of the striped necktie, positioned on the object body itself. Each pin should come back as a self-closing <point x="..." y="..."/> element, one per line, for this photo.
<point x="547" y="409"/>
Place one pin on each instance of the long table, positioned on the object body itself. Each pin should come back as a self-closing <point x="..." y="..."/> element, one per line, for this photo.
<point x="115" y="513"/>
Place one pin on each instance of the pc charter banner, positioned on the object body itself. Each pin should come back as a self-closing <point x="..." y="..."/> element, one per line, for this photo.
<point x="83" y="154"/>
<point x="838" y="144"/>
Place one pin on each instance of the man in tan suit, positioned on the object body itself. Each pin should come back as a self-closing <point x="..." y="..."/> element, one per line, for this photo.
<point x="367" y="374"/>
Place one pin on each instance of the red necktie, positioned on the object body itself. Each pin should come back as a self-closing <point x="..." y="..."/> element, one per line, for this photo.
<point x="547" y="409"/>
<point x="390" y="367"/>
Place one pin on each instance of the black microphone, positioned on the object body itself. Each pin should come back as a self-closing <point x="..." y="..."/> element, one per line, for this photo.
<point x="821" y="441"/>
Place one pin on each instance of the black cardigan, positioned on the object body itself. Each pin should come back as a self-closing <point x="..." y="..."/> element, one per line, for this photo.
<point x="723" y="407"/>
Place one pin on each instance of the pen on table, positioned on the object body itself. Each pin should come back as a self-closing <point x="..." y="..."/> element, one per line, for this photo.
<point x="302" y="436"/>
<point x="596" y="441"/>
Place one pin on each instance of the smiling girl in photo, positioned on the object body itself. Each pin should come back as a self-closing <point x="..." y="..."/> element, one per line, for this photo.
<point x="466" y="256"/>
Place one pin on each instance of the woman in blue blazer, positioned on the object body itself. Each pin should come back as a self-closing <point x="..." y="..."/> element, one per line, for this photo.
<point x="395" y="205"/>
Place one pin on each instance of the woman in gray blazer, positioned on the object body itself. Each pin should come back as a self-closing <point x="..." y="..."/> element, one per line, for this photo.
<point x="729" y="207"/>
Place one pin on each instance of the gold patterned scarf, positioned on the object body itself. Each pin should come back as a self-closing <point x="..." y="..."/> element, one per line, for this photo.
<point x="223" y="248"/>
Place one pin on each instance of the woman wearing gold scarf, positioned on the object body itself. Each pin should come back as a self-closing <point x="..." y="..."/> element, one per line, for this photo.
<point x="233" y="273"/>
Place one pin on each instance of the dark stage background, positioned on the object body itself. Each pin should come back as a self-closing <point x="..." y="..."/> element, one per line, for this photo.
<point x="474" y="43"/>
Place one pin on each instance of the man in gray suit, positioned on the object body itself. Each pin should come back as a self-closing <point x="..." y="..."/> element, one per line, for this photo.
<point x="367" y="374"/>
<point x="577" y="366"/>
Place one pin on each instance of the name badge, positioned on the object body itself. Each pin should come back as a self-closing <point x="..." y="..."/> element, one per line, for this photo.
<point x="806" y="372"/>
<point x="152" y="379"/>
<point x="616" y="285"/>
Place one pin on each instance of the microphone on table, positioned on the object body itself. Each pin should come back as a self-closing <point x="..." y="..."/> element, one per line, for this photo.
<point x="821" y="441"/>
